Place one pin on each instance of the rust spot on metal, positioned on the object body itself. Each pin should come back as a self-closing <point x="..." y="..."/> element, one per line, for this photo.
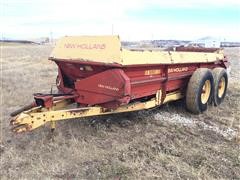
<point x="79" y="110"/>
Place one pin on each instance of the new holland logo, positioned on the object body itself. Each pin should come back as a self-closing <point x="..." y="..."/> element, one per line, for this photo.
<point x="108" y="87"/>
<point x="85" y="46"/>
<point x="180" y="69"/>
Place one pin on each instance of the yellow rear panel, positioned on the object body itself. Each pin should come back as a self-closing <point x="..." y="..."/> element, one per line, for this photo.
<point x="104" y="49"/>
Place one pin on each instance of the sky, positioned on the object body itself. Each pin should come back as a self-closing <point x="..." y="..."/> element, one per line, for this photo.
<point x="131" y="19"/>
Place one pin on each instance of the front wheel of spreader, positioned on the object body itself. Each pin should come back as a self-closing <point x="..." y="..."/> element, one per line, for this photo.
<point x="199" y="90"/>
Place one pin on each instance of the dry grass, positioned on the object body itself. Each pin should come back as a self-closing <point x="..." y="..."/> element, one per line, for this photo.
<point x="166" y="142"/>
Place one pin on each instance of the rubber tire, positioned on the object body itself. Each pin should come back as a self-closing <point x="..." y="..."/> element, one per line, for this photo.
<point x="218" y="73"/>
<point x="194" y="90"/>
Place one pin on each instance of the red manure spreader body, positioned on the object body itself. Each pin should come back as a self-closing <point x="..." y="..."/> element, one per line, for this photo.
<point x="101" y="77"/>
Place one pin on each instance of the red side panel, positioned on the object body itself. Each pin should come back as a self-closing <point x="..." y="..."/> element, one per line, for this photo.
<point x="111" y="86"/>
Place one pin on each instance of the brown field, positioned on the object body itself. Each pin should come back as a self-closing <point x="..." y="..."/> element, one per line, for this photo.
<point x="166" y="142"/>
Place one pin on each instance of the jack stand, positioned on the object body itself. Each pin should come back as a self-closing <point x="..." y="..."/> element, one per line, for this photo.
<point x="53" y="126"/>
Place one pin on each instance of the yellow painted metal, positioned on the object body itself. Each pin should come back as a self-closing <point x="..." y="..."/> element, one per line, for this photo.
<point x="206" y="90"/>
<point x="221" y="87"/>
<point x="53" y="125"/>
<point x="29" y="120"/>
<point x="158" y="97"/>
<point x="167" y="57"/>
<point x="188" y="57"/>
<point x="173" y="97"/>
<point x="107" y="49"/>
<point x="129" y="57"/>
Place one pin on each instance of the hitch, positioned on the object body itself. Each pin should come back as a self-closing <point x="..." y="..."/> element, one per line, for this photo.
<point x="25" y="119"/>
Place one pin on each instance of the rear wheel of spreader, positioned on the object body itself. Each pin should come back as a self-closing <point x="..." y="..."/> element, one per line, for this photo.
<point x="220" y="85"/>
<point x="199" y="90"/>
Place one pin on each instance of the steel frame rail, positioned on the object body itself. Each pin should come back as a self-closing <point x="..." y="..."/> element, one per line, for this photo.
<point x="38" y="116"/>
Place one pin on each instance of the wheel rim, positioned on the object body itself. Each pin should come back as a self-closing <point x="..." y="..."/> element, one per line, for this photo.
<point x="221" y="87"/>
<point x="206" y="89"/>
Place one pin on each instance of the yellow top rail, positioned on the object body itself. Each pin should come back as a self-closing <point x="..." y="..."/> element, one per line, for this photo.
<point x="107" y="49"/>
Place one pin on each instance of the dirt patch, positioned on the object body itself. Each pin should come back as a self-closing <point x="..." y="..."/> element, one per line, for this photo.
<point x="166" y="142"/>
